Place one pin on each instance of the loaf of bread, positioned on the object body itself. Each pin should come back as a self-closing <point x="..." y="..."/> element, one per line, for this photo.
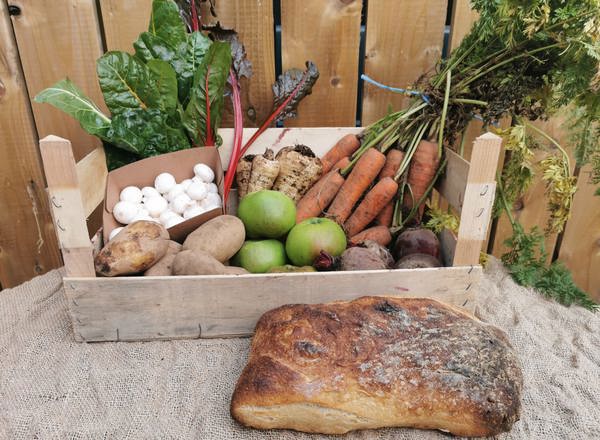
<point x="376" y="362"/>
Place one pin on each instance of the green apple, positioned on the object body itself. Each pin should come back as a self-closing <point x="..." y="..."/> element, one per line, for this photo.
<point x="308" y="238"/>
<point x="267" y="214"/>
<point x="258" y="256"/>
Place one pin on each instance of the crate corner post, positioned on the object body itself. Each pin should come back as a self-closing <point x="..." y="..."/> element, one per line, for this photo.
<point x="67" y="206"/>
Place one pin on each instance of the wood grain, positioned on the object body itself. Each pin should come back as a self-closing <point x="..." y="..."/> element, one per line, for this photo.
<point x="254" y="23"/>
<point x="91" y="175"/>
<point x="55" y="42"/>
<point x="27" y="242"/>
<point x="218" y="306"/>
<point x="404" y="41"/>
<point x="580" y="248"/>
<point x="463" y="18"/>
<point x="123" y="21"/>
<point x="326" y="32"/>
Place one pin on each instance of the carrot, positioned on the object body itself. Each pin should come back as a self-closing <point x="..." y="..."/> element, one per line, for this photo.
<point x="360" y="178"/>
<point x="344" y="147"/>
<point x="375" y="200"/>
<point x="392" y="163"/>
<point x="318" y="198"/>
<point x="422" y="170"/>
<point x="380" y="234"/>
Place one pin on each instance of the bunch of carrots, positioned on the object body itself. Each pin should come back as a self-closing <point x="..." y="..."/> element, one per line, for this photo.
<point x="364" y="189"/>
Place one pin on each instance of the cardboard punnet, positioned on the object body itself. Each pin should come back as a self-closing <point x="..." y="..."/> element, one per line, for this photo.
<point x="142" y="173"/>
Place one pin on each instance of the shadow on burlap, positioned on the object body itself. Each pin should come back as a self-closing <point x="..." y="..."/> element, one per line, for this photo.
<point x="54" y="388"/>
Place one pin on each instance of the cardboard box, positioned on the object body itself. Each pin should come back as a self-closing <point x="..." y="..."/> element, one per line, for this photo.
<point x="142" y="173"/>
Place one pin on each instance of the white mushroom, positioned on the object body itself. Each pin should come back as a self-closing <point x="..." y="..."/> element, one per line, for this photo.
<point x="166" y="214"/>
<point x="172" y="221"/>
<point x="214" y="199"/>
<point x="186" y="183"/>
<point x="204" y="172"/>
<point x="124" y="212"/>
<point x="197" y="190"/>
<point x="131" y="194"/>
<point x="155" y="206"/>
<point x="213" y="188"/>
<point x="149" y="191"/>
<point x="164" y="182"/>
<point x="180" y="203"/>
<point x="175" y="191"/>
<point x="193" y="211"/>
<point x="114" y="232"/>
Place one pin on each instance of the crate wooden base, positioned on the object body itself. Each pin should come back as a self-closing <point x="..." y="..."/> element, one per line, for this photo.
<point x="146" y="308"/>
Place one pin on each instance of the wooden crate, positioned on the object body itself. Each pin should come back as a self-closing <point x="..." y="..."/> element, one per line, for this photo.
<point x="148" y="308"/>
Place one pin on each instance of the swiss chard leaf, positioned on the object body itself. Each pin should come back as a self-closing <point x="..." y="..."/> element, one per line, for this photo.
<point x="126" y="83"/>
<point x="214" y="70"/>
<point x="146" y="133"/>
<point x="184" y="58"/>
<point x="165" y="79"/>
<point x="185" y="10"/>
<point x="287" y="83"/>
<point x="241" y="64"/>
<point x="66" y="96"/>
<point x="166" y="23"/>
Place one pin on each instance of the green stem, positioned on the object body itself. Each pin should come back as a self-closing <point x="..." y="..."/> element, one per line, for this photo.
<point x="469" y="101"/>
<point x="410" y="151"/>
<point x="444" y="112"/>
<point x="552" y="141"/>
<point x="504" y="202"/>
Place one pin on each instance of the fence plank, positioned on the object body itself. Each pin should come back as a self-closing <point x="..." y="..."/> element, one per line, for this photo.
<point x="404" y="40"/>
<point x="28" y="245"/>
<point x="64" y="40"/>
<point x="123" y="21"/>
<point x="326" y="32"/>
<point x="463" y="18"/>
<point x="254" y="22"/>
<point x="580" y="248"/>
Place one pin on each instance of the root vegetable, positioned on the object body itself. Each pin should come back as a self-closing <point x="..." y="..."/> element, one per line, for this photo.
<point x="417" y="261"/>
<point x="379" y="250"/>
<point x="422" y="170"/>
<point x="357" y="258"/>
<point x="198" y="262"/>
<point x="375" y="200"/>
<point x="379" y="234"/>
<point x="345" y="147"/>
<point x="392" y="164"/>
<point x="163" y="267"/>
<point x="364" y="172"/>
<point x="318" y="198"/>
<point x="299" y="169"/>
<point x="221" y="237"/>
<point x="242" y="174"/>
<point x="136" y="248"/>
<point x="416" y="241"/>
<point x="386" y="215"/>
<point x="265" y="170"/>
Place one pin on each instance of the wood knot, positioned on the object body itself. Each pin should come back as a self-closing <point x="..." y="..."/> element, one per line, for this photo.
<point x="518" y="205"/>
<point x="335" y="81"/>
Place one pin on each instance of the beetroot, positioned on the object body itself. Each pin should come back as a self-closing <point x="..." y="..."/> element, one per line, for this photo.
<point x="417" y="261"/>
<point x="416" y="241"/>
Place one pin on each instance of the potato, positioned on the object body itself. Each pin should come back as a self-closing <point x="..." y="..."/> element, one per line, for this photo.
<point x="136" y="248"/>
<point x="189" y="262"/>
<point x="358" y="258"/>
<point x="221" y="237"/>
<point x="164" y="265"/>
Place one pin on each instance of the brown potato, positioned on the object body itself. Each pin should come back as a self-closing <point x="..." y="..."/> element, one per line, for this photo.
<point x="220" y="237"/>
<point x="136" y="248"/>
<point x="189" y="262"/>
<point x="164" y="265"/>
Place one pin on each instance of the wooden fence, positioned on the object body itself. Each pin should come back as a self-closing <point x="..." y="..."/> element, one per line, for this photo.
<point x="393" y="41"/>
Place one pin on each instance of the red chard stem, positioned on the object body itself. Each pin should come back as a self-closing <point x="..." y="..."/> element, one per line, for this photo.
<point x="238" y="127"/>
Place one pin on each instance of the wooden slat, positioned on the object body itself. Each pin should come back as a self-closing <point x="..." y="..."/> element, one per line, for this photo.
<point x="453" y="182"/>
<point x="91" y="175"/>
<point x="479" y="198"/>
<point x="404" y="41"/>
<point x="326" y="32"/>
<point x="123" y="21"/>
<point x="67" y="207"/>
<point x="254" y="23"/>
<point x="463" y="18"/>
<point x="205" y="306"/>
<point x="58" y="41"/>
<point x="27" y="241"/>
<point x="580" y="248"/>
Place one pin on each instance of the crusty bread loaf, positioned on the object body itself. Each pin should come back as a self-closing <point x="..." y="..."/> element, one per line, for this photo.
<point x="375" y="362"/>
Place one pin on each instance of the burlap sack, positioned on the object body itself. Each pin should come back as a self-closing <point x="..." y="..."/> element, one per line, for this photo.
<point x="54" y="388"/>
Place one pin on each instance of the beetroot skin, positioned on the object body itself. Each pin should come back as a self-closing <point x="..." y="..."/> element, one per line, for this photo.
<point x="416" y="241"/>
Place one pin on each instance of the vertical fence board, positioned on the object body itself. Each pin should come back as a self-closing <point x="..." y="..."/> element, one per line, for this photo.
<point x="58" y="41"/>
<point x="404" y="41"/>
<point x="326" y="32"/>
<point x="123" y="21"/>
<point x="463" y="18"/>
<point x="28" y="245"/>
<point x="580" y="248"/>
<point x="254" y="22"/>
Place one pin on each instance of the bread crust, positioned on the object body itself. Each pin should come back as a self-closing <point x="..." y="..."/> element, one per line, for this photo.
<point x="376" y="362"/>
